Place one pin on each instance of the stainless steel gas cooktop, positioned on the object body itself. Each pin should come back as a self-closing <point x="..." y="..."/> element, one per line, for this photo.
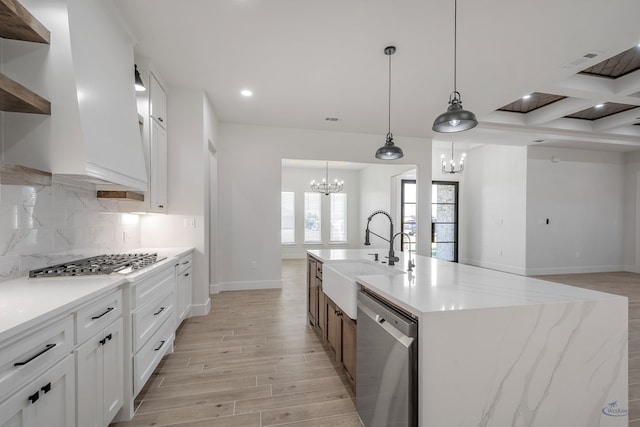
<point x="101" y="264"/>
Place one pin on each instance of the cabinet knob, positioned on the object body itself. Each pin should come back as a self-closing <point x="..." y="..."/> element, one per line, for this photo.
<point x="186" y="275"/>
<point x="161" y="206"/>
<point x="34" y="397"/>
<point x="160" y="119"/>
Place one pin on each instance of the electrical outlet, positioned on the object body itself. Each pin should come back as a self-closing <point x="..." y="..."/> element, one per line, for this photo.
<point x="253" y="265"/>
<point x="190" y="222"/>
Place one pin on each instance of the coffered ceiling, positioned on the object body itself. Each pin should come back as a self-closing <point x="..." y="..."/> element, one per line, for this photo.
<point x="308" y="60"/>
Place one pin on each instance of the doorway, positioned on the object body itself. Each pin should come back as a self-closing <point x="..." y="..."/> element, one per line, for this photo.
<point x="444" y="220"/>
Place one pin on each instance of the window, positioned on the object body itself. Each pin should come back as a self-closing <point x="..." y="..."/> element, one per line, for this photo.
<point x="312" y="218"/>
<point x="338" y="218"/>
<point x="288" y="220"/>
<point x="408" y="214"/>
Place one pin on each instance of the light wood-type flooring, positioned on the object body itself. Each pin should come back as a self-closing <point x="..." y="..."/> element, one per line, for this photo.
<point x="253" y="361"/>
<point x="626" y="284"/>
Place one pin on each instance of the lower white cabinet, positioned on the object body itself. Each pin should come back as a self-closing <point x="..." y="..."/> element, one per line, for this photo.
<point x="184" y="287"/>
<point x="99" y="367"/>
<point x="49" y="400"/>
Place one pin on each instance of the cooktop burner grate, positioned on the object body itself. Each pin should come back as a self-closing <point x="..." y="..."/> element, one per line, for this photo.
<point x="101" y="264"/>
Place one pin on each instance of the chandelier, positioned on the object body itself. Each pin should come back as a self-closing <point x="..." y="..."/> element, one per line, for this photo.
<point x="325" y="187"/>
<point x="452" y="165"/>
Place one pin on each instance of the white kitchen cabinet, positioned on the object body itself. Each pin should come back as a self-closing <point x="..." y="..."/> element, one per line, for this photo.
<point x="100" y="376"/>
<point x="184" y="287"/>
<point x="157" y="101"/>
<point x="46" y="401"/>
<point x="158" y="169"/>
<point x="26" y="356"/>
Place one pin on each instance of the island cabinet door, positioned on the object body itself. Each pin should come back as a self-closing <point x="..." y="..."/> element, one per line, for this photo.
<point x="312" y="292"/>
<point x="349" y="346"/>
<point x="334" y="327"/>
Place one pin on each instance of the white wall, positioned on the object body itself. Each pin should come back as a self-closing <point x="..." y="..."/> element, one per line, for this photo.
<point x="493" y="232"/>
<point x="298" y="180"/>
<point x="582" y="195"/>
<point x="191" y="124"/>
<point x="631" y="210"/>
<point x="380" y="190"/>
<point x="250" y="185"/>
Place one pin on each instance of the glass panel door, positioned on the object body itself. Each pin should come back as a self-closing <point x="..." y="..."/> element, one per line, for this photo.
<point x="408" y="214"/>
<point x="444" y="220"/>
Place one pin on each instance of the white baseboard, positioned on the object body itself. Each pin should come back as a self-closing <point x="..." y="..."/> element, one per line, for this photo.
<point x="631" y="269"/>
<point x="201" y="309"/>
<point x="244" y="286"/>
<point x="214" y="289"/>
<point x="575" y="270"/>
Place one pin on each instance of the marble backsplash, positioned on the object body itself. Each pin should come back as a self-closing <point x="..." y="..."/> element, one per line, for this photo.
<point x="41" y="226"/>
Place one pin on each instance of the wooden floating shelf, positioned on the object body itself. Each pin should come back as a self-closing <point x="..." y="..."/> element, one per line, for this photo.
<point x="121" y="195"/>
<point x="18" y="24"/>
<point x="18" y="99"/>
<point x="11" y="174"/>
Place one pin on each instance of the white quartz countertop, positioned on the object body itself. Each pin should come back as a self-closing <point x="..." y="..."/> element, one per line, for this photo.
<point x="25" y="302"/>
<point x="437" y="286"/>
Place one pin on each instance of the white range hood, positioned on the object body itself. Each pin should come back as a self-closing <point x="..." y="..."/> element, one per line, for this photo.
<point x="86" y="73"/>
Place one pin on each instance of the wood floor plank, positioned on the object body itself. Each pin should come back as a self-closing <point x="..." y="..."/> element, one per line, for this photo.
<point x="246" y="420"/>
<point x="154" y="405"/>
<point x="347" y="420"/>
<point x="309" y="411"/>
<point x="284" y="401"/>
<point x="177" y="415"/>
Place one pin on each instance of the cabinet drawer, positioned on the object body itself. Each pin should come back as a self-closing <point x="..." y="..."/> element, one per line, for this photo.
<point x="148" y="318"/>
<point x="145" y="290"/>
<point x="146" y="360"/>
<point x="94" y="317"/>
<point x="23" y="359"/>
<point x="184" y="263"/>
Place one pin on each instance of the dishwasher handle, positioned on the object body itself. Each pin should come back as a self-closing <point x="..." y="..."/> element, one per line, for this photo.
<point x="403" y="339"/>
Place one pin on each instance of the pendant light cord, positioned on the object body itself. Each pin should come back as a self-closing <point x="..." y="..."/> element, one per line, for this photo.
<point x="389" y="130"/>
<point x="455" y="43"/>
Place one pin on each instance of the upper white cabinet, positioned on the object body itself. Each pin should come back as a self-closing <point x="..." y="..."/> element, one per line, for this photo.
<point x="157" y="102"/>
<point x="158" y="169"/>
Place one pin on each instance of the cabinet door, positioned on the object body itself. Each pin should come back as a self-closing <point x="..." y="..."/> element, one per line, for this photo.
<point x="312" y="298"/>
<point x="184" y="294"/>
<point x="89" y="382"/>
<point x="158" y="169"/>
<point x="349" y="346"/>
<point x="334" y="328"/>
<point x="113" y="371"/>
<point x="187" y="287"/>
<point x="47" y="401"/>
<point x="158" y="101"/>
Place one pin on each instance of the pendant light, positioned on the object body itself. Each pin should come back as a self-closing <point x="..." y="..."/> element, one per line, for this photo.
<point x="138" y="80"/>
<point x="455" y="119"/>
<point x="389" y="151"/>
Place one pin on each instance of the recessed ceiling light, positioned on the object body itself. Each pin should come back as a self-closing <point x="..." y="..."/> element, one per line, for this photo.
<point x="526" y="97"/>
<point x="599" y="106"/>
<point x="246" y="92"/>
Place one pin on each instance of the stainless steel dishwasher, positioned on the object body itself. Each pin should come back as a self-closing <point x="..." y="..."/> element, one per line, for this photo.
<point x="387" y="365"/>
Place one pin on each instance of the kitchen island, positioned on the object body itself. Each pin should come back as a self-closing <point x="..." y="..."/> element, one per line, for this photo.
<point x="498" y="349"/>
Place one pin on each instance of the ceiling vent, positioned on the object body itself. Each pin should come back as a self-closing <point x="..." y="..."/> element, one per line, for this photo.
<point x="581" y="60"/>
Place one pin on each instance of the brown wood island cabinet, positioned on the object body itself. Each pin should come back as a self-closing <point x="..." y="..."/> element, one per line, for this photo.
<point x="335" y="328"/>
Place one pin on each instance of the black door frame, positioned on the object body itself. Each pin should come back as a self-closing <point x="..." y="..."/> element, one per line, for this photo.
<point x="456" y="184"/>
